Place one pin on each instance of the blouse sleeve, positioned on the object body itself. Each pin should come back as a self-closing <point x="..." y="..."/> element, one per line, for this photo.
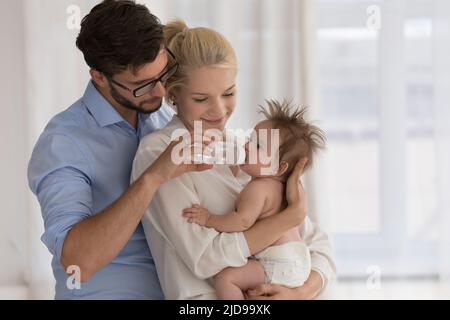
<point x="321" y="252"/>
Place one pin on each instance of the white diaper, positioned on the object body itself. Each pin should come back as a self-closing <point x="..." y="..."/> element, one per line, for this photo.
<point x="288" y="264"/>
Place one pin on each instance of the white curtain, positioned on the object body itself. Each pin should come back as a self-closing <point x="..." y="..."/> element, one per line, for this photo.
<point x="55" y="77"/>
<point x="266" y="35"/>
<point x="275" y="44"/>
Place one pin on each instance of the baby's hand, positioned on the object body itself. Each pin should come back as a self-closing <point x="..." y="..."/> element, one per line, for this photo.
<point x="196" y="214"/>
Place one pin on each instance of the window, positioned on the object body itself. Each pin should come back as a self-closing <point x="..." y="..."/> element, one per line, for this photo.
<point x="377" y="96"/>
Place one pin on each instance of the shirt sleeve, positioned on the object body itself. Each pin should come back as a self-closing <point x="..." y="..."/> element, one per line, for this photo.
<point x="321" y="252"/>
<point x="204" y="251"/>
<point x="59" y="175"/>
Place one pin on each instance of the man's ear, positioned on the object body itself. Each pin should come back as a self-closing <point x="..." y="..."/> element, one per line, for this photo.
<point x="99" y="78"/>
<point x="282" y="168"/>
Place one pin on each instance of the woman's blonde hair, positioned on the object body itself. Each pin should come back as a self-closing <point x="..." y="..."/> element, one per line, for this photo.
<point x="195" y="48"/>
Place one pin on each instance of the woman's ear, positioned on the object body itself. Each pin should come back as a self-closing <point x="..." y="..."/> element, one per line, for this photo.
<point x="172" y="97"/>
<point x="282" y="168"/>
<point x="99" y="78"/>
<point x="171" y="100"/>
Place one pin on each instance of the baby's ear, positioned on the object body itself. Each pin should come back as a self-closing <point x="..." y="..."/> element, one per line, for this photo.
<point x="284" y="166"/>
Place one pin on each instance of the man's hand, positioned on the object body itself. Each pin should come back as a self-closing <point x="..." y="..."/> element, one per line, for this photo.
<point x="308" y="291"/>
<point x="196" y="214"/>
<point x="295" y="194"/>
<point x="165" y="168"/>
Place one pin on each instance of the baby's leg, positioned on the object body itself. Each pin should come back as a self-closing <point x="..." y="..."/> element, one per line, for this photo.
<point x="231" y="282"/>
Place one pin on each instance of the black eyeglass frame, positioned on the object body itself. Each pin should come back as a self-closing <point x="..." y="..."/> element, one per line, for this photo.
<point x="151" y="85"/>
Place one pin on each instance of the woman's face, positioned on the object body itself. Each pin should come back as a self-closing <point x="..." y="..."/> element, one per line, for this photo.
<point x="209" y="96"/>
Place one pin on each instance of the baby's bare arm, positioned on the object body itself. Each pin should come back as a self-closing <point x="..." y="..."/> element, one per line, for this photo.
<point x="253" y="199"/>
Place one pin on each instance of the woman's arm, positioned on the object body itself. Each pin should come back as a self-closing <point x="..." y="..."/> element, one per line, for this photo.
<point x="204" y="251"/>
<point x="308" y="291"/>
<point x="266" y="231"/>
<point x="322" y="265"/>
<point x="319" y="245"/>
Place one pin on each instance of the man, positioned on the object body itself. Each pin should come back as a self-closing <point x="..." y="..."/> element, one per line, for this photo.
<point x="80" y="167"/>
<point x="81" y="163"/>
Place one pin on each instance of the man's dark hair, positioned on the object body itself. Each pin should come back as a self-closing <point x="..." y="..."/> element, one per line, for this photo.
<point x="119" y="34"/>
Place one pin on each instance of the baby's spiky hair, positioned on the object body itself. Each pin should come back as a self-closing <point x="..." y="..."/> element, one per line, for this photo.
<point x="298" y="138"/>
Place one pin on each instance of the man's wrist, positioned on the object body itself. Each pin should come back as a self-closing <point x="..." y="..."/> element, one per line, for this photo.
<point x="153" y="178"/>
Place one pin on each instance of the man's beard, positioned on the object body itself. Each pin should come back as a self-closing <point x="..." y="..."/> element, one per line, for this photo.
<point x="124" y="102"/>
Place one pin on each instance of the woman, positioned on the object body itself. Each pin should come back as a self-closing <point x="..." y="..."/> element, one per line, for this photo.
<point x="187" y="256"/>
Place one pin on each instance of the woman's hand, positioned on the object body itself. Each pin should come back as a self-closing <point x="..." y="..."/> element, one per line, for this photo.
<point x="165" y="168"/>
<point x="308" y="291"/>
<point x="295" y="194"/>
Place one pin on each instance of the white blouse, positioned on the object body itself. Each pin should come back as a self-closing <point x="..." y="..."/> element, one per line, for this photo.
<point x="187" y="255"/>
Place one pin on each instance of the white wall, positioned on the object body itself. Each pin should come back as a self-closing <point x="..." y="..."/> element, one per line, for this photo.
<point x="12" y="145"/>
<point x="56" y="76"/>
<point x="43" y="74"/>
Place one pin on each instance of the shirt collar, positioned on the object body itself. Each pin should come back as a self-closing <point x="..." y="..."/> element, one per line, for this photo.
<point x="175" y="123"/>
<point x="143" y="117"/>
<point x="102" y="111"/>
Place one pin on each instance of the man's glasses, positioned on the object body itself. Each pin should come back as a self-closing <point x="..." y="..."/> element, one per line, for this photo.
<point x="146" y="88"/>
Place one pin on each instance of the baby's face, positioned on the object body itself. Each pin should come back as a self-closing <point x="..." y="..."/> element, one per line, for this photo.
<point x="261" y="152"/>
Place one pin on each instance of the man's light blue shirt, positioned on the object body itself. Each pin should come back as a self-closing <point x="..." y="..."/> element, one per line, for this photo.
<point x="80" y="165"/>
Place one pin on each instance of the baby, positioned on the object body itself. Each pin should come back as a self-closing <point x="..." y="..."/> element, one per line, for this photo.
<point x="286" y="262"/>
